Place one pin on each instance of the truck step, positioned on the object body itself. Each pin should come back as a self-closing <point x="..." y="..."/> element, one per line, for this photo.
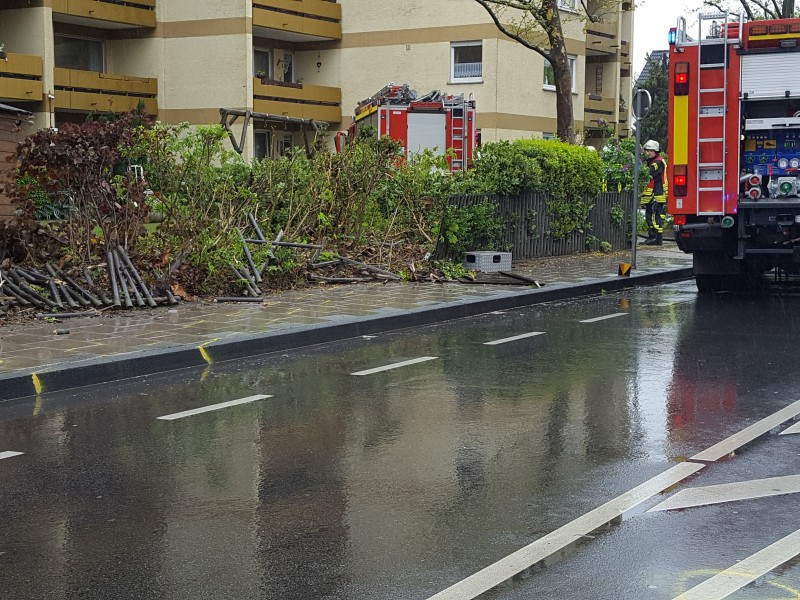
<point x="713" y="66"/>
<point x="709" y="140"/>
<point x="712" y="90"/>
<point x="711" y="165"/>
<point x="713" y="189"/>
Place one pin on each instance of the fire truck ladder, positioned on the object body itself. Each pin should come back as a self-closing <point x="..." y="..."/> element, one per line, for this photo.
<point x="460" y="132"/>
<point x="712" y="116"/>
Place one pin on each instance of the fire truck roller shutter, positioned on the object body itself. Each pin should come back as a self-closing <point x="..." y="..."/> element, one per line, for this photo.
<point x="771" y="75"/>
<point x="426" y="131"/>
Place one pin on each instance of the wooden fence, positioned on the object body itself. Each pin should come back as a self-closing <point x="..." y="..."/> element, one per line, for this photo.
<point x="527" y="224"/>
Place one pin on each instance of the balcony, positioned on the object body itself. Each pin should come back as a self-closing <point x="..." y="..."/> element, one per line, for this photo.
<point x="106" y="14"/>
<point x="601" y="39"/>
<point x="21" y="78"/>
<point x="297" y="20"/>
<point x="103" y="92"/>
<point x="598" y="108"/>
<point x="303" y="101"/>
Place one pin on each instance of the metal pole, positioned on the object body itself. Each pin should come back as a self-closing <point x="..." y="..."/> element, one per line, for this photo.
<point x="636" y="165"/>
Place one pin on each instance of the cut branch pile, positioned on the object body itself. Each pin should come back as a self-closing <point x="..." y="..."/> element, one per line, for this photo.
<point x="55" y="291"/>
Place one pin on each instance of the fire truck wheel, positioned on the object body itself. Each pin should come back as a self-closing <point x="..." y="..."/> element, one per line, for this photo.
<point x="708" y="284"/>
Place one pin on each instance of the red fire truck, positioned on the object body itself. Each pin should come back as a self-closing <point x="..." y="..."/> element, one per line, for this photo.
<point x="436" y="121"/>
<point x="734" y="148"/>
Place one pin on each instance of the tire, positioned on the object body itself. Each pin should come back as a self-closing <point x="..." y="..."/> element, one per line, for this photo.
<point x="708" y="284"/>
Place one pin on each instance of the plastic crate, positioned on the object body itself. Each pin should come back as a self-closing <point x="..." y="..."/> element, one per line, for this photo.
<point x="487" y="262"/>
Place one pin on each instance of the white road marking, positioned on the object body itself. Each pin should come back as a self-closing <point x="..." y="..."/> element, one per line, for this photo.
<point x="791" y="430"/>
<point x="405" y="363"/>
<point x="746" y="571"/>
<point x="736" y="441"/>
<point x="10" y="454"/>
<point x="504" y="569"/>
<point x="204" y="409"/>
<point x="596" y="319"/>
<point x="731" y="492"/>
<point x="514" y="339"/>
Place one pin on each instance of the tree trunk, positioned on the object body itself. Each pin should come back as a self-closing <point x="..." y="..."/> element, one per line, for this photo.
<point x="562" y="72"/>
<point x="563" y="77"/>
<point x="788" y="9"/>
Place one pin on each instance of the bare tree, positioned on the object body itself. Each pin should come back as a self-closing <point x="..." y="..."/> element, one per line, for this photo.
<point x="758" y="9"/>
<point x="538" y="26"/>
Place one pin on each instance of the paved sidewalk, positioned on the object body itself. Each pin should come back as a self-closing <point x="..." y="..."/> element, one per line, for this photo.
<point x="34" y="359"/>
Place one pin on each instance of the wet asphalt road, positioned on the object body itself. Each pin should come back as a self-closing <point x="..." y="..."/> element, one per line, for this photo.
<point x="397" y="484"/>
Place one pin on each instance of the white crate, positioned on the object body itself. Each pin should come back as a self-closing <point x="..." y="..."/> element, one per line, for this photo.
<point x="487" y="262"/>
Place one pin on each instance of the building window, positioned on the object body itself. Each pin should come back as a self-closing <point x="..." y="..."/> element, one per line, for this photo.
<point x="466" y="62"/>
<point x="568" y="4"/>
<point x="262" y="62"/>
<point x="82" y="54"/>
<point x="549" y="82"/>
<point x="262" y="142"/>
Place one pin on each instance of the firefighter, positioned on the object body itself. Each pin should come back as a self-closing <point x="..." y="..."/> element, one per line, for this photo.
<point x="654" y="197"/>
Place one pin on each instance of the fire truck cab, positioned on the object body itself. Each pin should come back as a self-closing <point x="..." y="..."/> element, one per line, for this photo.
<point x="734" y="148"/>
<point x="436" y="121"/>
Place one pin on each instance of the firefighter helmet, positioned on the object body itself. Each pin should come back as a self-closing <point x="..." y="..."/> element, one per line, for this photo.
<point x="651" y="145"/>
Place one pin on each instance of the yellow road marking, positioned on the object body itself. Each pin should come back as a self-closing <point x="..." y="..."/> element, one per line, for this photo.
<point x="37" y="383"/>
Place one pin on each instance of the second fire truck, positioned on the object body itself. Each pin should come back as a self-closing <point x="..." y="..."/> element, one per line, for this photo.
<point x="734" y="147"/>
<point x="436" y="121"/>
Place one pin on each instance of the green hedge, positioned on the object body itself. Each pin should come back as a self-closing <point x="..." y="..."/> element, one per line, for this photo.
<point x="567" y="174"/>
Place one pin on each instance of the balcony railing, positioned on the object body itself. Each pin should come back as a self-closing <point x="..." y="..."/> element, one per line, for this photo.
<point x="598" y="110"/>
<point x="317" y="18"/>
<point x="134" y="13"/>
<point x="104" y="92"/>
<point x="21" y="78"/>
<point x="602" y="37"/>
<point x="467" y="70"/>
<point x="304" y="101"/>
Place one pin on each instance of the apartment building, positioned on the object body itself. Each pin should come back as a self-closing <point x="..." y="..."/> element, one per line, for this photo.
<point x="184" y="60"/>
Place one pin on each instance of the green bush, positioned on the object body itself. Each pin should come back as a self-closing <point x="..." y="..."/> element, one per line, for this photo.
<point x="473" y="227"/>
<point x="567" y="174"/>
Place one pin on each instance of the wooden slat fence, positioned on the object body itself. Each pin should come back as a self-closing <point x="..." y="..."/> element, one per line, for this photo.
<point x="527" y="224"/>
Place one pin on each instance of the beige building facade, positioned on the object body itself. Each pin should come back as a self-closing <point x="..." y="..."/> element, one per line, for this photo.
<point x="183" y="60"/>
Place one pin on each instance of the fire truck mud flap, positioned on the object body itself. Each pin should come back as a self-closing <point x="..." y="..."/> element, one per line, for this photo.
<point x="700" y="238"/>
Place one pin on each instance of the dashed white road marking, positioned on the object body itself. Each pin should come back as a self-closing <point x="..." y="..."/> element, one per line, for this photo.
<point x="504" y="569"/>
<point x="731" y="492"/>
<point x="514" y="339"/>
<point x="791" y="430"/>
<point x="736" y="441"/>
<point x="405" y="363"/>
<point x="10" y="454"/>
<point x="605" y="318"/>
<point x="221" y="405"/>
<point x="746" y="571"/>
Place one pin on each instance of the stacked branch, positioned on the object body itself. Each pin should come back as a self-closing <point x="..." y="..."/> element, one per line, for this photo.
<point x="60" y="294"/>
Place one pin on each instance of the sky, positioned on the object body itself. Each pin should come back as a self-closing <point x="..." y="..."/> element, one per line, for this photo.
<point x="652" y="22"/>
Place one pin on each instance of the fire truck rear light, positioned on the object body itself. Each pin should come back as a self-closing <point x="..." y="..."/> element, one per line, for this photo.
<point x="778" y="29"/>
<point x="679" y="180"/>
<point x="682" y="79"/>
<point x="759" y="30"/>
<point x="794" y="28"/>
<point x="679" y="220"/>
<point x="673" y="36"/>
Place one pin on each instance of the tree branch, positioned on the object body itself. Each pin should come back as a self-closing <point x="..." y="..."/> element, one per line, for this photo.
<point x="503" y="29"/>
